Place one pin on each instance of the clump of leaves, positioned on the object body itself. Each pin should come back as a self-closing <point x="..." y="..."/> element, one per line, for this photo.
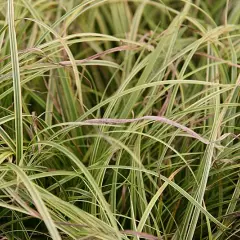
<point x="119" y="119"/>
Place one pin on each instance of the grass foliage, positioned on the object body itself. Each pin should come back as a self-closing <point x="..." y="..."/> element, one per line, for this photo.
<point x="119" y="119"/>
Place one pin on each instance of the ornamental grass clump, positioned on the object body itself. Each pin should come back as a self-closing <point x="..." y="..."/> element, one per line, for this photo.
<point x="119" y="119"/>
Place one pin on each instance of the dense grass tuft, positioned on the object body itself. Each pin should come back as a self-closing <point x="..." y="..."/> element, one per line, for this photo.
<point x="119" y="119"/>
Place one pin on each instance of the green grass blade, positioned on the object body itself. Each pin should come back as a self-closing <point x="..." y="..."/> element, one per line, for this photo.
<point x="16" y="82"/>
<point x="36" y="197"/>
